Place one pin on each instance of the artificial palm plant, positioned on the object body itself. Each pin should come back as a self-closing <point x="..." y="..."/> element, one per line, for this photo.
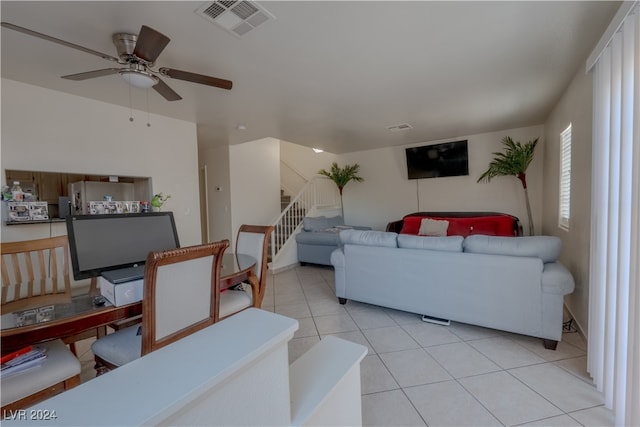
<point x="514" y="161"/>
<point x="342" y="176"/>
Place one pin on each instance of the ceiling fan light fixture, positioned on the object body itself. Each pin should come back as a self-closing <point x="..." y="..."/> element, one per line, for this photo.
<point x="139" y="79"/>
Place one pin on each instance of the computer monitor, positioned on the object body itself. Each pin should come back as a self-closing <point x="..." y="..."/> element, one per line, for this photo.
<point x="107" y="242"/>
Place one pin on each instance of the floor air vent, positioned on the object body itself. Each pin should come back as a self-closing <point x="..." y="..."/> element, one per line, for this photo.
<point x="236" y="17"/>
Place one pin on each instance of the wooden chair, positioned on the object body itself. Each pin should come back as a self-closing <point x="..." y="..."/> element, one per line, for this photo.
<point x="59" y="371"/>
<point x="35" y="274"/>
<point x="181" y="296"/>
<point x="252" y="240"/>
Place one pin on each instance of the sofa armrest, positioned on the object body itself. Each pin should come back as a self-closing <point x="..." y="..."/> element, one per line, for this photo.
<point x="395" y="226"/>
<point x="337" y="260"/>
<point x="556" y="279"/>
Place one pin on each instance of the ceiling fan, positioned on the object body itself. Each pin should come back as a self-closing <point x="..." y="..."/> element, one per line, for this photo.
<point x="139" y="54"/>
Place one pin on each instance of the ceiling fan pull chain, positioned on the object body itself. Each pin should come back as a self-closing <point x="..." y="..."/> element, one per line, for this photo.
<point x="130" y="106"/>
<point x="148" y="121"/>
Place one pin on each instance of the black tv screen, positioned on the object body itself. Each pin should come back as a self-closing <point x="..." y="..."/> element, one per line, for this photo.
<point x="107" y="242"/>
<point x="438" y="160"/>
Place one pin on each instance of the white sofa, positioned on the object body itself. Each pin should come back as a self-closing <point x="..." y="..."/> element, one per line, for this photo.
<point x="513" y="284"/>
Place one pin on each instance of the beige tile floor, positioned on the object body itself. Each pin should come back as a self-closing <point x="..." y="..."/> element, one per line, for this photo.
<point x="423" y="374"/>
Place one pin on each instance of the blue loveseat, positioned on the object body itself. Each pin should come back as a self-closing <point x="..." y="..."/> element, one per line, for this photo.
<point x="319" y="237"/>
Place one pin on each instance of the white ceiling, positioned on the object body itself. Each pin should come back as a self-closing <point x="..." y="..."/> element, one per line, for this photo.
<point x="327" y="74"/>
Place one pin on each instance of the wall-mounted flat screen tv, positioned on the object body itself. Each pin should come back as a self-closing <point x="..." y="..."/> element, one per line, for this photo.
<point x="438" y="160"/>
<point x="99" y="243"/>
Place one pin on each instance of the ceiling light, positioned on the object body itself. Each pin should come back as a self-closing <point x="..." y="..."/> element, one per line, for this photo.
<point x="139" y="79"/>
<point x="318" y="150"/>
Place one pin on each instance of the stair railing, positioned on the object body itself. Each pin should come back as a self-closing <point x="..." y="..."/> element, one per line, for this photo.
<point x="319" y="192"/>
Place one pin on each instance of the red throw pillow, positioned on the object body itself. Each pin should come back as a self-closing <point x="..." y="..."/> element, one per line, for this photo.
<point x="459" y="226"/>
<point x="411" y="225"/>
<point x="486" y="226"/>
<point x="504" y="226"/>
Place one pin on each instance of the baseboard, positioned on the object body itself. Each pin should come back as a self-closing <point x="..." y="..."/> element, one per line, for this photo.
<point x="578" y="326"/>
<point x="284" y="268"/>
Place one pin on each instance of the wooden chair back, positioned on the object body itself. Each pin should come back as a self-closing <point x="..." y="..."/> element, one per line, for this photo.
<point x="181" y="293"/>
<point x="254" y="240"/>
<point x="35" y="273"/>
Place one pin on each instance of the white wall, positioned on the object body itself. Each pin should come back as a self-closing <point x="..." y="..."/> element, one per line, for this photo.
<point x="46" y="130"/>
<point x="387" y="195"/>
<point x="219" y="195"/>
<point x="254" y="183"/>
<point x="304" y="159"/>
<point x="574" y="107"/>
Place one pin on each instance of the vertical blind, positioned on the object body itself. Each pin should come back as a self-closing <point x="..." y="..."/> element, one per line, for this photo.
<point x="565" y="179"/>
<point x="614" y="282"/>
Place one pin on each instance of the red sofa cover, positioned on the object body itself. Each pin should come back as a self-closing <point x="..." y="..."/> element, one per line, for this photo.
<point x="462" y="223"/>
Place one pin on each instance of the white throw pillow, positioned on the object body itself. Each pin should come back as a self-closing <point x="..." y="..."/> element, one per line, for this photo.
<point x="433" y="227"/>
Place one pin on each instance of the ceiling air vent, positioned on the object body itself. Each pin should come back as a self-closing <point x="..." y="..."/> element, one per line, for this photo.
<point x="400" y="127"/>
<point x="236" y="17"/>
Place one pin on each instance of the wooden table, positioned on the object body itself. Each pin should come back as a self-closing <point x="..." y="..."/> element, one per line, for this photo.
<point x="82" y="314"/>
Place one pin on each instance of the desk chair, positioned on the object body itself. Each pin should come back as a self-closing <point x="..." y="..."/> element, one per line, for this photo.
<point x="181" y="296"/>
<point x="35" y="273"/>
<point x="252" y="240"/>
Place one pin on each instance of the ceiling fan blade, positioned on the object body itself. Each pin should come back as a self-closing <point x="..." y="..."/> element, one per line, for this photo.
<point x="93" y="74"/>
<point x="163" y="89"/>
<point x="150" y="44"/>
<point x="55" y="40"/>
<point x="196" y="78"/>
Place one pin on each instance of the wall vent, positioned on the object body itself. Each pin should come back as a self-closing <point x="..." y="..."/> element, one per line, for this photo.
<point x="400" y="127"/>
<point x="236" y="17"/>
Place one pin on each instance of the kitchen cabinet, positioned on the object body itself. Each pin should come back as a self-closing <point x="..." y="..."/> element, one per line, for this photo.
<point x="50" y="186"/>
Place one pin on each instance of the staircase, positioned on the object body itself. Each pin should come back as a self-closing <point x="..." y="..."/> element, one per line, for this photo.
<point x="318" y="193"/>
<point x="293" y="216"/>
<point x="284" y="200"/>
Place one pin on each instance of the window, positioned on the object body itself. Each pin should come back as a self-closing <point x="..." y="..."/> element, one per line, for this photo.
<point x="564" y="212"/>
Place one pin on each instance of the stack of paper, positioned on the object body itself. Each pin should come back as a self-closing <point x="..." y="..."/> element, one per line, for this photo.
<point x="22" y="360"/>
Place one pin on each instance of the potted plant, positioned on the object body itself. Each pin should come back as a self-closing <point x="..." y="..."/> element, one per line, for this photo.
<point x="342" y="176"/>
<point x="514" y="161"/>
<point x="158" y="200"/>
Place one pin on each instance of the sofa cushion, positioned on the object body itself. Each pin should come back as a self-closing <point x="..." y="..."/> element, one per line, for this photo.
<point x="326" y="238"/>
<point x="547" y="248"/>
<point x="369" y="238"/>
<point x="444" y="244"/>
<point x="433" y="227"/>
<point x="321" y="223"/>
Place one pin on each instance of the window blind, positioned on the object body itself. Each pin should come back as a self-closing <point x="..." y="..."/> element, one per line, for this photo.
<point x="614" y="275"/>
<point x="564" y="212"/>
